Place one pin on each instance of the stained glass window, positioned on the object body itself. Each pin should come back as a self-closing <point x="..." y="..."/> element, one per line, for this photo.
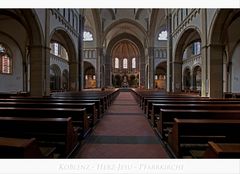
<point x="125" y="63"/>
<point x="5" y="60"/>
<point x="116" y="63"/>
<point x="134" y="62"/>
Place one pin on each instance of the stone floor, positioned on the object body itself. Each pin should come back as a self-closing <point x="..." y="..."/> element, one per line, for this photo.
<point x="123" y="132"/>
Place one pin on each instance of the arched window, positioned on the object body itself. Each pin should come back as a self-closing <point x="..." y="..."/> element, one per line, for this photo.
<point x="125" y="63"/>
<point x="162" y="35"/>
<point x="5" y="60"/>
<point x="196" y="48"/>
<point x="58" y="50"/>
<point x="116" y="63"/>
<point x="87" y="36"/>
<point x="134" y="62"/>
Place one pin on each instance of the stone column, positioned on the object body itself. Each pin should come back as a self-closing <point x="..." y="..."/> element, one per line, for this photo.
<point x="204" y="55"/>
<point x="47" y="54"/>
<point x="151" y="67"/>
<point x="169" y="53"/>
<point x="74" y="76"/>
<point x="78" y="85"/>
<point x="215" y="69"/>
<point x="107" y="74"/>
<point x="191" y="80"/>
<point x="38" y="82"/>
<point x="177" y="77"/>
<point x="98" y="67"/>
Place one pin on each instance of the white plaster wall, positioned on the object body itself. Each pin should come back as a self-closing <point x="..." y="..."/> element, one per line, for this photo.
<point x="14" y="81"/>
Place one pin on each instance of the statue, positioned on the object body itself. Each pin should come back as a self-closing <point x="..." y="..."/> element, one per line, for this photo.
<point x="125" y="82"/>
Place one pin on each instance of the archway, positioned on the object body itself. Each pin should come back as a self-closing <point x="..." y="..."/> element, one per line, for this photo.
<point x="68" y="59"/>
<point x="160" y="76"/>
<point x="55" y="78"/>
<point x="116" y="48"/>
<point x="223" y="41"/>
<point x="125" y="63"/>
<point x="65" y="80"/>
<point x="187" y="54"/>
<point x="186" y="79"/>
<point x="89" y="75"/>
<point x="27" y="45"/>
<point x="197" y="78"/>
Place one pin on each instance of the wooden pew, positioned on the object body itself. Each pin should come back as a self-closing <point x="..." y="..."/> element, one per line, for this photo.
<point x="106" y="97"/>
<point x="147" y="103"/>
<point x="222" y="150"/>
<point x="49" y="132"/>
<point x="90" y="107"/>
<point x="23" y="148"/>
<point x="78" y="116"/>
<point x="99" y="111"/>
<point x="166" y="118"/>
<point x="197" y="106"/>
<point x="186" y="101"/>
<point x="188" y="134"/>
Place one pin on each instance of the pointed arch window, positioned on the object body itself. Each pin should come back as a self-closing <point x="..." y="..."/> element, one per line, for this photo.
<point x="116" y="63"/>
<point x="125" y="63"/>
<point x="5" y="60"/>
<point x="56" y="49"/>
<point x="133" y="62"/>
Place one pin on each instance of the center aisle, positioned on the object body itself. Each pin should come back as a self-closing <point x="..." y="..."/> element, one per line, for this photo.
<point x="123" y="132"/>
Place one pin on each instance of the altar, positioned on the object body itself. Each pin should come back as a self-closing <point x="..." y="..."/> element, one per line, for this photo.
<point x="125" y="83"/>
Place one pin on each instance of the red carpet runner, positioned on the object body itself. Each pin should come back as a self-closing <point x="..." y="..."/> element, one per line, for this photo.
<point x="123" y="132"/>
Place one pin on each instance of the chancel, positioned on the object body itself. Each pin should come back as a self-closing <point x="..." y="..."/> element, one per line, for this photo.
<point x="119" y="83"/>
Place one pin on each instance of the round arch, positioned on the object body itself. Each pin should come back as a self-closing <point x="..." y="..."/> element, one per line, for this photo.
<point x="30" y="41"/>
<point x="108" y="62"/>
<point x="161" y="75"/>
<point x="55" y="78"/>
<point x="61" y="36"/>
<point x="197" y="77"/>
<point x="186" y="79"/>
<point x="220" y="49"/>
<point x="65" y="79"/>
<point x="89" y="75"/>
<point x="189" y="36"/>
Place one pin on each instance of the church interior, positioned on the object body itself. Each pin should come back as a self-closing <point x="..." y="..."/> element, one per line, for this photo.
<point x="119" y="83"/>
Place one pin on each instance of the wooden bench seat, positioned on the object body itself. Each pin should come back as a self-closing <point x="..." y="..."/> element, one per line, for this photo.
<point x="90" y="107"/>
<point x="192" y="132"/>
<point x="187" y="101"/>
<point x="222" y="150"/>
<point x="78" y="116"/>
<point x="99" y="110"/>
<point x="49" y="132"/>
<point x="149" y="100"/>
<point x="198" y="106"/>
<point x="166" y="118"/>
<point x="23" y="148"/>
